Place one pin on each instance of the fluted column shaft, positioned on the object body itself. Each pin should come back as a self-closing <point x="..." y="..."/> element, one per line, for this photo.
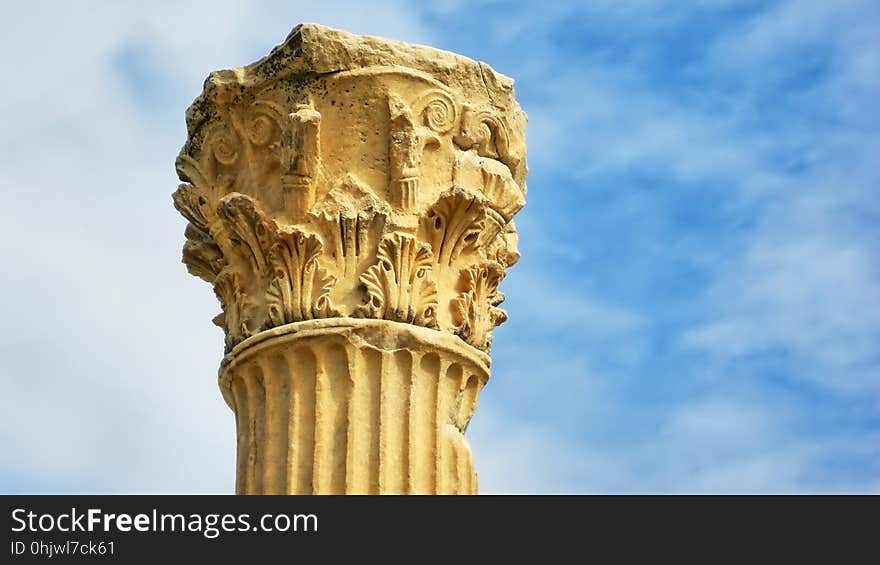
<point x="354" y="407"/>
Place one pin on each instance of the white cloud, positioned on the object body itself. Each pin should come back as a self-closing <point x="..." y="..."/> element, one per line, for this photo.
<point x="797" y="280"/>
<point x="800" y="276"/>
<point x="809" y="295"/>
<point x="109" y="356"/>
<point x="803" y="279"/>
<point x="515" y="456"/>
<point x="707" y="444"/>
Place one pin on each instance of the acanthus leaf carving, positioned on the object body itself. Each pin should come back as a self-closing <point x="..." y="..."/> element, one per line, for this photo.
<point x="247" y="230"/>
<point x="351" y="221"/>
<point x="190" y="203"/>
<point x="305" y="197"/>
<point x="300" y="287"/>
<point x="475" y="310"/>
<point x="399" y="286"/>
<point x="452" y="225"/>
<point x="504" y="248"/>
<point x="356" y="238"/>
<point x="201" y="255"/>
<point x="230" y="291"/>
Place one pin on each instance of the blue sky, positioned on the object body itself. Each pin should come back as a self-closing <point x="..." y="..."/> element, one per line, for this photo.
<point x="696" y="309"/>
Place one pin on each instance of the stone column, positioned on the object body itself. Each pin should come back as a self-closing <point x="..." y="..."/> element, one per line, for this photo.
<point x="351" y="199"/>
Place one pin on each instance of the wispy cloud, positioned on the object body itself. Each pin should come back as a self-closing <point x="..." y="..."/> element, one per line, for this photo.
<point x="110" y="355"/>
<point x="695" y="309"/>
<point x="752" y="124"/>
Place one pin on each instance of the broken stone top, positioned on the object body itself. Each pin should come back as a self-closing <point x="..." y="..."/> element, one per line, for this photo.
<point x="353" y="176"/>
<point x="312" y="49"/>
<point x="311" y="52"/>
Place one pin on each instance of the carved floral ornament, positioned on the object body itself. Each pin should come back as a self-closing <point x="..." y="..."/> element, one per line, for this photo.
<point x="377" y="193"/>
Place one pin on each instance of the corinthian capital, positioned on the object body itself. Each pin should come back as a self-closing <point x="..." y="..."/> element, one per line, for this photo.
<point x="345" y="177"/>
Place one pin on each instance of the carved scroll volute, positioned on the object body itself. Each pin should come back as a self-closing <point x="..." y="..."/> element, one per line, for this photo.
<point x="196" y="200"/>
<point x="306" y="200"/>
<point x="399" y="286"/>
<point x="483" y="130"/>
<point x="345" y="177"/>
<point x="438" y="111"/>
<point x="301" y="160"/>
<point x="224" y="147"/>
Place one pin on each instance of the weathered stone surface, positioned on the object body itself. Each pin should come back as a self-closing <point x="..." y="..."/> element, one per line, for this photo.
<point x="351" y="201"/>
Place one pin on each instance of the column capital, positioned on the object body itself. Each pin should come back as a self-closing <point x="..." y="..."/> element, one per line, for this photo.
<point x="350" y="176"/>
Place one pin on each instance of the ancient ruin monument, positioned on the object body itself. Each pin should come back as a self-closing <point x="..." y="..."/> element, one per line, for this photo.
<point x="351" y="201"/>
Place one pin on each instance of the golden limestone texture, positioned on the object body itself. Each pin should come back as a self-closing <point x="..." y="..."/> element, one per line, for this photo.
<point x="351" y="199"/>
